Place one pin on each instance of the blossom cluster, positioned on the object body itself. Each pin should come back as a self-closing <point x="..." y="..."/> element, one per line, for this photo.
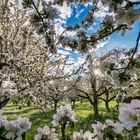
<point x="15" y="128"/>
<point x="128" y="119"/>
<point x="82" y="136"/>
<point x="64" y="112"/>
<point x="46" y="133"/>
<point x="130" y="114"/>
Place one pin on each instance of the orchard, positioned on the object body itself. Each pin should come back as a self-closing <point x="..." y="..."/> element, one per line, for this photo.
<point x="69" y="70"/>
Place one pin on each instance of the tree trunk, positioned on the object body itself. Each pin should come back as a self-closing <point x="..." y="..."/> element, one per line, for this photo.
<point x="28" y="103"/>
<point x="95" y="97"/>
<point x="107" y="102"/>
<point x="63" y="127"/>
<point x="107" y="106"/>
<point x="55" y="105"/>
<point x="73" y="104"/>
<point x="23" y="136"/>
<point x="95" y="106"/>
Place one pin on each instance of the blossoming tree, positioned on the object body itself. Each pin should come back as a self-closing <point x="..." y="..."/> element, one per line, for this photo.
<point x="50" y="19"/>
<point x="26" y="66"/>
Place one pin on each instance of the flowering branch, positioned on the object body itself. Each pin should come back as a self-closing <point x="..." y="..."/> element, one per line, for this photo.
<point x="132" y="57"/>
<point x="38" y="12"/>
<point x="131" y="4"/>
<point x="107" y="34"/>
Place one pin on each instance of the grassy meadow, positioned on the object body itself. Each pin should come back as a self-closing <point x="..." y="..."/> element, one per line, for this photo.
<point x="84" y="115"/>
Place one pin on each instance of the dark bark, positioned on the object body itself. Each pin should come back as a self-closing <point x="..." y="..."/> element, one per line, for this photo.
<point x="128" y="100"/>
<point x="95" y="106"/>
<point x="73" y="104"/>
<point x="23" y="136"/>
<point x="3" y="65"/>
<point x="63" y="127"/>
<point x="95" y="96"/>
<point x="94" y="101"/>
<point x="4" y="102"/>
<point x="107" y="106"/>
<point x="133" y="54"/>
<point x="107" y="101"/>
<point x="55" y="104"/>
<point x="28" y="103"/>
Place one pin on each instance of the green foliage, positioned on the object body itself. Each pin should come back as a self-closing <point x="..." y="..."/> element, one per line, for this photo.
<point x="109" y="133"/>
<point x="2" y="130"/>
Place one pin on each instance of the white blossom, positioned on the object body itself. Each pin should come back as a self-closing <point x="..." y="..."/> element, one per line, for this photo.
<point x="98" y="129"/>
<point x="82" y="136"/>
<point x="117" y="127"/>
<point x="63" y="111"/>
<point x="17" y="127"/>
<point x="130" y="114"/>
<point x="24" y="124"/>
<point x="46" y="133"/>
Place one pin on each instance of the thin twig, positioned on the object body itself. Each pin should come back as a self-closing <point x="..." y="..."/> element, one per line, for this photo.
<point x="132" y="57"/>
<point x="101" y="37"/>
<point x="38" y="12"/>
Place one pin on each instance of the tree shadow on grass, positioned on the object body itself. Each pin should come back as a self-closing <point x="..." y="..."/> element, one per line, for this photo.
<point x="17" y="107"/>
<point x="112" y="114"/>
<point x="36" y="116"/>
<point x="18" y="111"/>
<point x="39" y="119"/>
<point x="86" y="123"/>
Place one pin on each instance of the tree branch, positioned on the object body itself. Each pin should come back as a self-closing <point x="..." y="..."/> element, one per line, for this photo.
<point x="82" y="96"/>
<point x="131" y="4"/>
<point x="102" y="99"/>
<point x="132" y="57"/>
<point x="112" y="98"/>
<point x="38" y="12"/>
<point x="101" y="37"/>
<point x="102" y="92"/>
<point x="87" y="96"/>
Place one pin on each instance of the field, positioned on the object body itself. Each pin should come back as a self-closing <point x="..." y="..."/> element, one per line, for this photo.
<point x="84" y="115"/>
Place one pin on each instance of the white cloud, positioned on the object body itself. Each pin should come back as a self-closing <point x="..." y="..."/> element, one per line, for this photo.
<point x="71" y="34"/>
<point x="68" y="49"/>
<point x="58" y="28"/>
<point x="65" y="10"/>
<point x="103" y="11"/>
<point x="102" y="44"/>
<point x="63" y="52"/>
<point x="79" y="13"/>
<point x="49" y="1"/>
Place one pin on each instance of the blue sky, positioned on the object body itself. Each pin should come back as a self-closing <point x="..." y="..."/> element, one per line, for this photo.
<point x="127" y="41"/>
<point x="80" y="10"/>
<point x="116" y="39"/>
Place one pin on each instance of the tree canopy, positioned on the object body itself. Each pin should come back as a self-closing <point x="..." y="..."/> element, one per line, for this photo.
<point x="102" y="18"/>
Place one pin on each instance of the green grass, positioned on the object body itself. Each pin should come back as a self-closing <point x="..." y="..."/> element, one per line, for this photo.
<point x="84" y="114"/>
